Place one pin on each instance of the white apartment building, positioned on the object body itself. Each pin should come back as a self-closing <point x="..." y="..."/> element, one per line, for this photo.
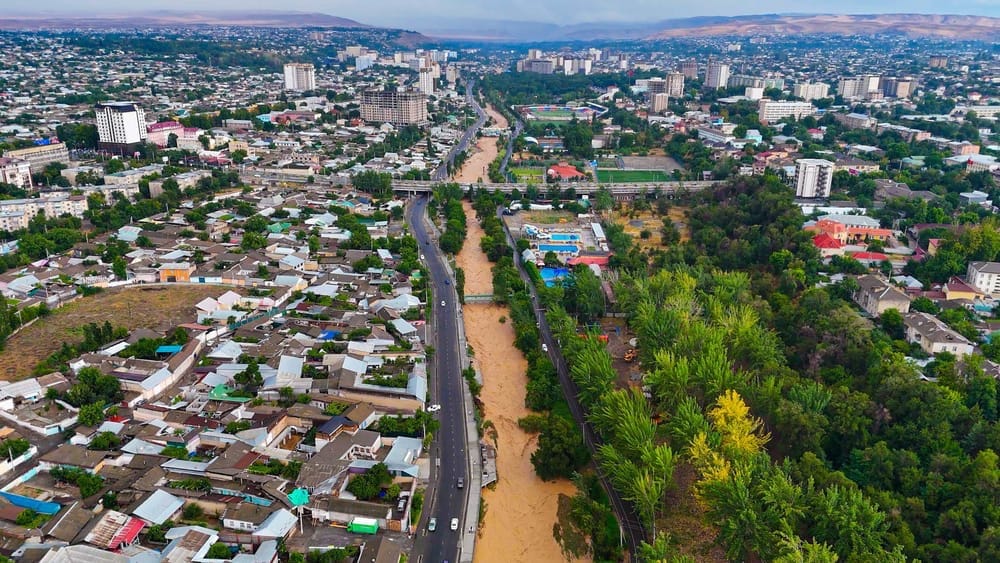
<point x="16" y="172"/>
<point x="770" y="111"/>
<point x="16" y="213"/>
<point x="426" y="81"/>
<point x="120" y="124"/>
<point x="395" y="107"/>
<point x="40" y="156"/>
<point x="717" y="75"/>
<point x="675" y="84"/>
<point x="811" y="91"/>
<point x="858" y="87"/>
<point x="659" y="103"/>
<point x="984" y="276"/>
<point x="813" y="177"/>
<point x="300" y="77"/>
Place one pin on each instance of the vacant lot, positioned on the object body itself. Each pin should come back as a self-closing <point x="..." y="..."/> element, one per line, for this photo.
<point x="635" y="223"/>
<point x="156" y="308"/>
<point x="628" y="176"/>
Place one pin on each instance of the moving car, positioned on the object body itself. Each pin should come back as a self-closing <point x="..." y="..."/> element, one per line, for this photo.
<point x="432" y="524"/>
<point x="545" y="347"/>
<point x="461" y="483"/>
<point x="454" y="524"/>
<point x="443" y="304"/>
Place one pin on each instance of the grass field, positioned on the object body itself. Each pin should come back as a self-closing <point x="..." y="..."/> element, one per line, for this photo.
<point x="529" y="174"/>
<point x="625" y="176"/>
<point x="157" y="308"/>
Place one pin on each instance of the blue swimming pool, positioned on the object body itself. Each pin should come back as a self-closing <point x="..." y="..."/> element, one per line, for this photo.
<point x="554" y="273"/>
<point x="558" y="248"/>
<point x="552" y="276"/>
<point x="563" y="237"/>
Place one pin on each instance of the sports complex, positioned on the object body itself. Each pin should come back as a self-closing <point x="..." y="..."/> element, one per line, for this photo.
<point x="556" y="113"/>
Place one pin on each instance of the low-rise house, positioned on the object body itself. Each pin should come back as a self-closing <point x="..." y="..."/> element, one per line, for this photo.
<point x="933" y="336"/>
<point x="876" y="295"/>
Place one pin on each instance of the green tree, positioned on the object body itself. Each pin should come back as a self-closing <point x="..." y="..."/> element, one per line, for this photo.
<point x="91" y="415"/>
<point x="560" y="452"/>
<point x="218" y="550"/>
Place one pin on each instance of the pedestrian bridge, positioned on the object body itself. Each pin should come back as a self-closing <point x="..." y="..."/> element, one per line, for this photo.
<point x="479" y="298"/>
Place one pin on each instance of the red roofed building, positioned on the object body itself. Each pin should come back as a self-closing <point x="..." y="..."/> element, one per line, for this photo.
<point x="870" y="258"/>
<point x="564" y="171"/>
<point x="828" y="246"/>
<point x="847" y="234"/>
<point x="159" y="133"/>
<point x="115" y="530"/>
<point x="599" y="260"/>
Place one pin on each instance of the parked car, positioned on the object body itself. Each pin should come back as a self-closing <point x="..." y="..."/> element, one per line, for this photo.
<point x="545" y="347"/>
<point x="433" y="408"/>
<point x="454" y="524"/>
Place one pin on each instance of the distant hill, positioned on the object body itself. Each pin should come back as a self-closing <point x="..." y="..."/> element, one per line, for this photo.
<point x="915" y="25"/>
<point x="168" y="18"/>
<point x="911" y="25"/>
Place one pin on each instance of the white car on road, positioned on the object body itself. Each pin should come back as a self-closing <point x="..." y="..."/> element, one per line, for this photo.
<point x="454" y="524"/>
<point x="443" y="304"/>
<point x="545" y="347"/>
<point x="433" y="408"/>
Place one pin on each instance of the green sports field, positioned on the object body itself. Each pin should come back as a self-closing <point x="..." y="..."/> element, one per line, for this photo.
<point x="529" y="174"/>
<point x="628" y="176"/>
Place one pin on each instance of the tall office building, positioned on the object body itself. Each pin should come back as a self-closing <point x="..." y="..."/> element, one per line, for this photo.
<point x="811" y="91"/>
<point x="659" y="102"/>
<point x="300" y="77"/>
<point x="120" y="126"/>
<point x="395" y="107"/>
<point x="690" y="70"/>
<point x="426" y="81"/>
<point x="813" y="177"/>
<point x="675" y="84"/>
<point x="717" y="75"/>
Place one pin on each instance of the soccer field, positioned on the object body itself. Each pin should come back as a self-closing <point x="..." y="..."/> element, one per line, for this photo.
<point x="627" y="176"/>
<point x="528" y="174"/>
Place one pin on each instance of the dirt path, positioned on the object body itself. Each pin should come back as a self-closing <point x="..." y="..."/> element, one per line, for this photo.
<point x="478" y="273"/>
<point x="478" y="163"/>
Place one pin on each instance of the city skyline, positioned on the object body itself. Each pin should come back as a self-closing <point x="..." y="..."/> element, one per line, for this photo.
<point x="390" y="12"/>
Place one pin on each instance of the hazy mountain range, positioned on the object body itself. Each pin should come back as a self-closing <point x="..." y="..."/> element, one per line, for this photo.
<point x="170" y="18"/>
<point x="913" y="25"/>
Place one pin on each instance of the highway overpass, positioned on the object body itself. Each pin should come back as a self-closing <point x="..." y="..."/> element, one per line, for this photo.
<point x="620" y="191"/>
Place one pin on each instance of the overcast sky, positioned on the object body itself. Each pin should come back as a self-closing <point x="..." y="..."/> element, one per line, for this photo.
<point x="396" y="12"/>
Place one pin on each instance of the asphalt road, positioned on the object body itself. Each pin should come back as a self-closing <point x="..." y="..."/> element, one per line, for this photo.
<point x="518" y="127"/>
<point x="441" y="173"/>
<point x="449" y="461"/>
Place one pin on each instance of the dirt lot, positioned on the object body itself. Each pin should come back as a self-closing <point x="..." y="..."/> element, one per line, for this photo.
<point x="652" y="222"/>
<point x="156" y="308"/>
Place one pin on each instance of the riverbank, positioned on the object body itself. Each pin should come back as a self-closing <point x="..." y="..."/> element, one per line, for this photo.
<point x="522" y="509"/>
<point x="476" y="167"/>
